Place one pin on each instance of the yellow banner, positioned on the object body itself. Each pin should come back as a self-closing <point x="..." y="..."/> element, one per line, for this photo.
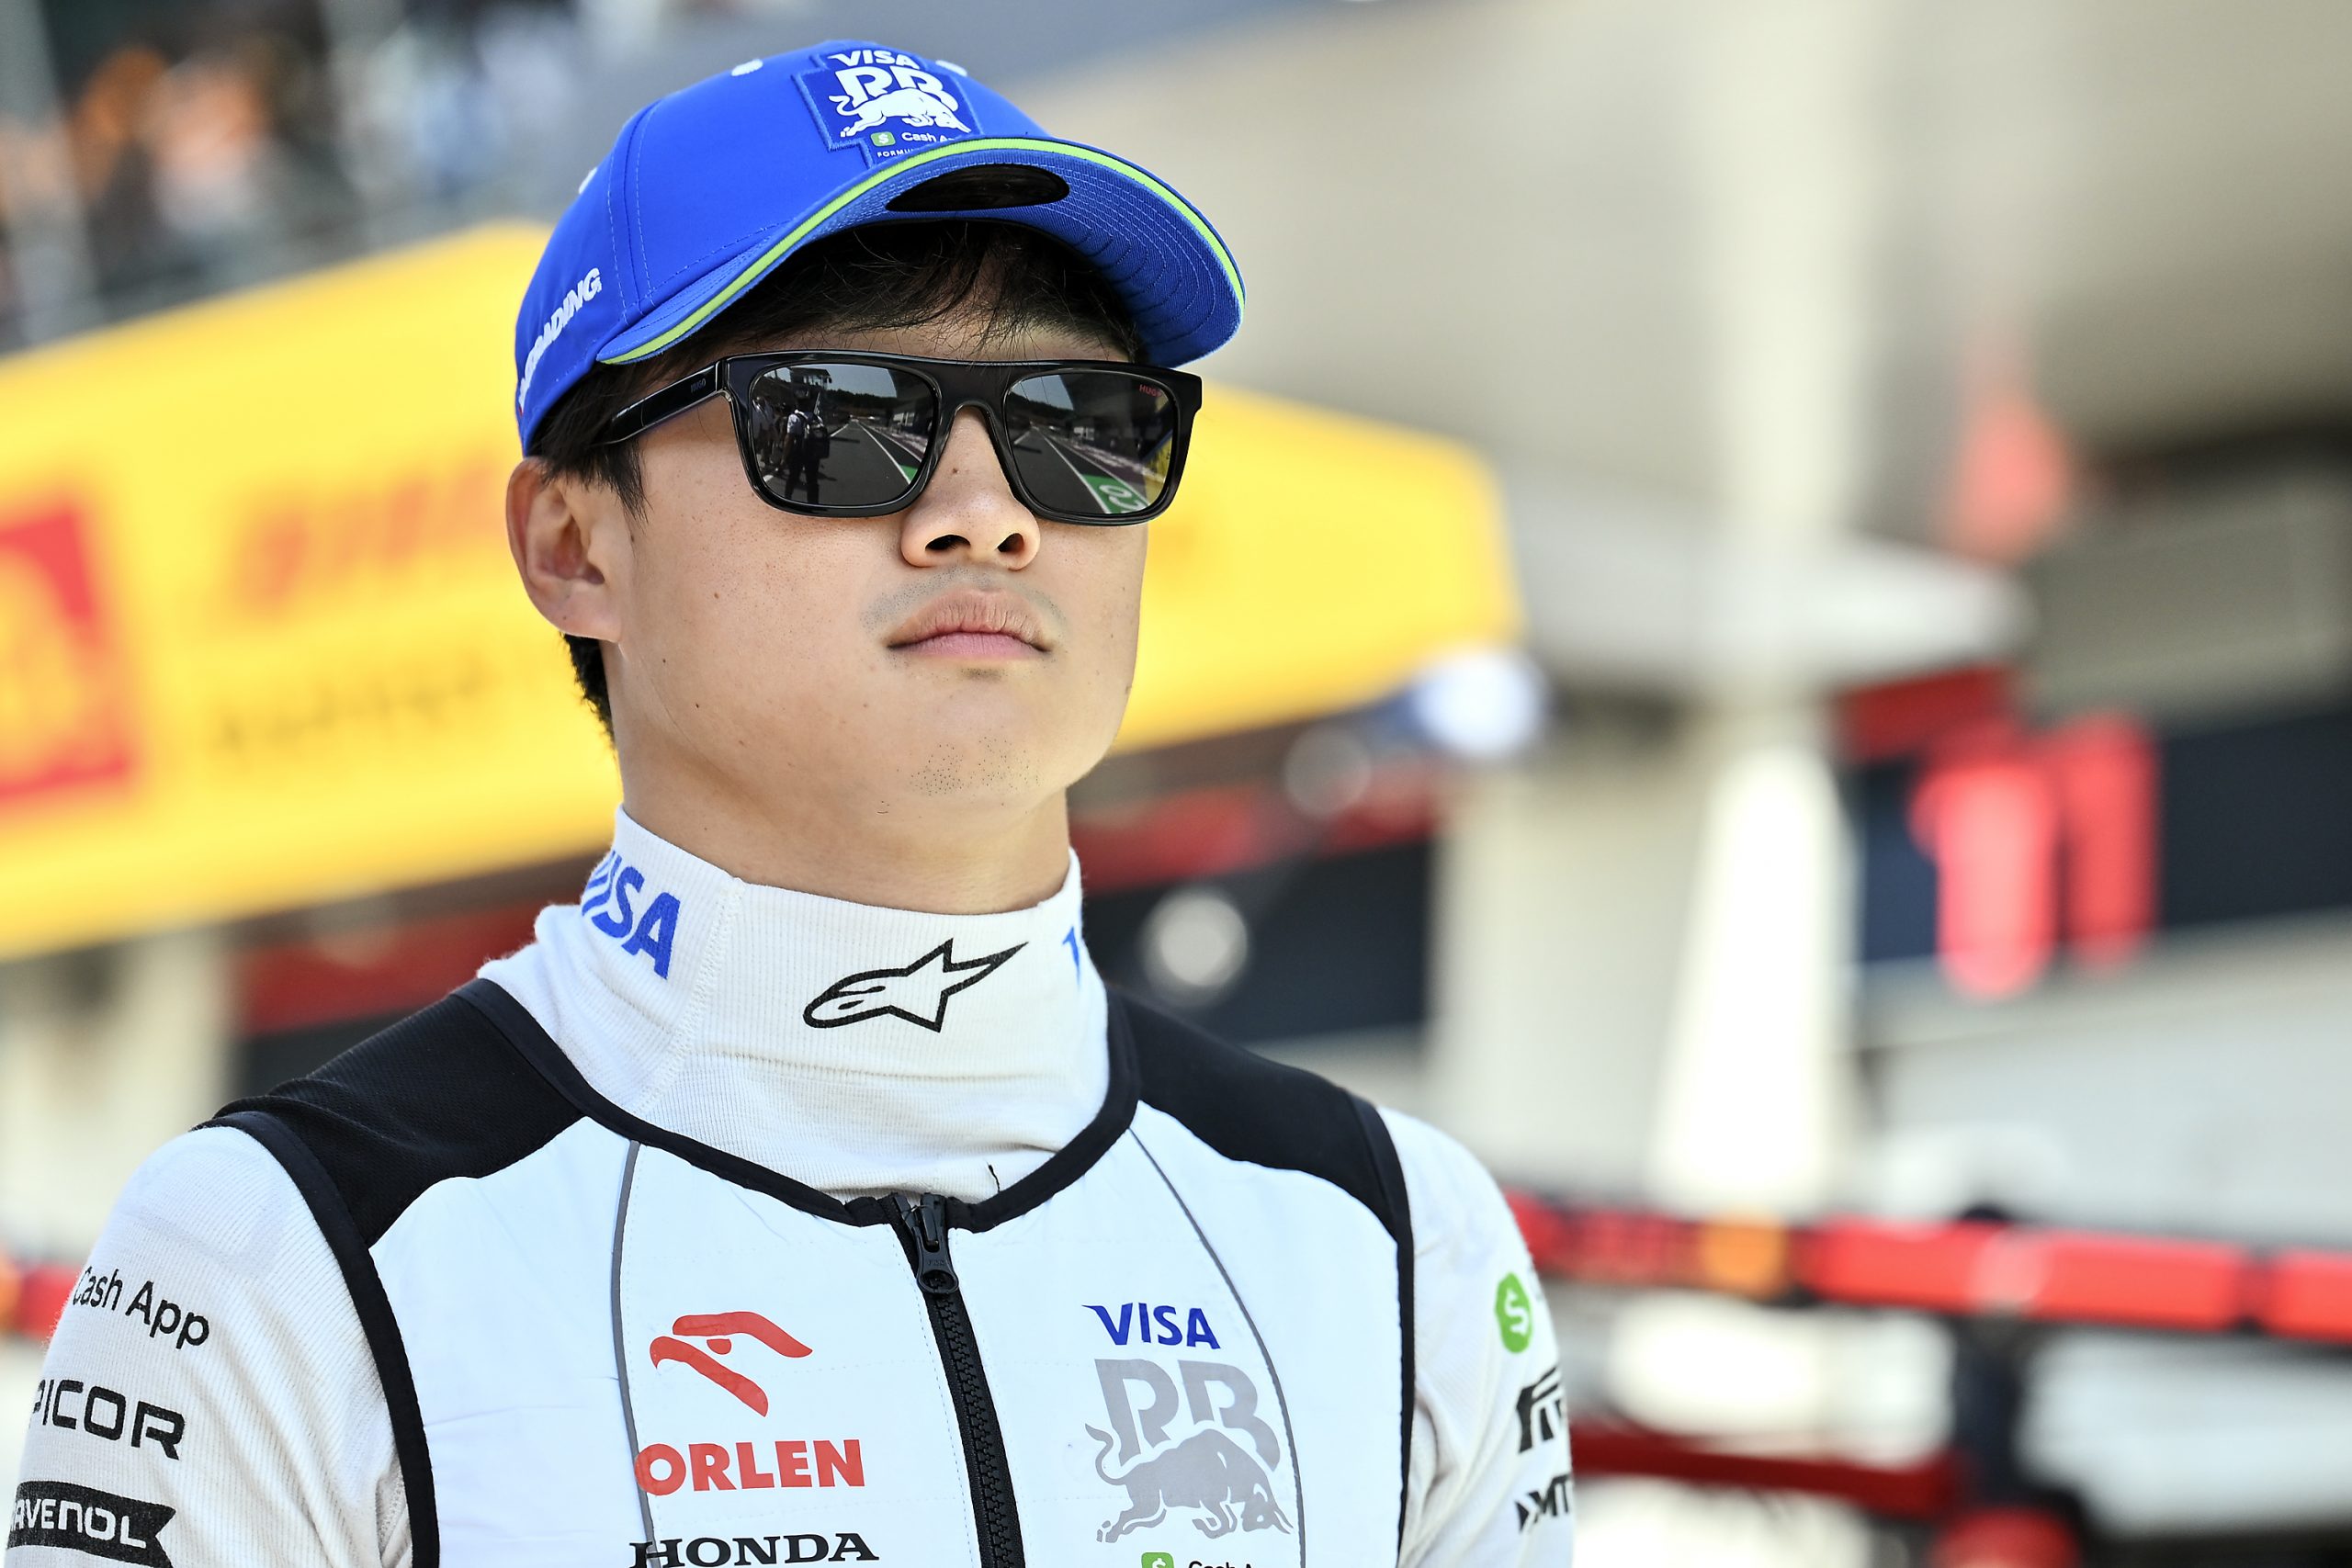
<point x="261" y="645"/>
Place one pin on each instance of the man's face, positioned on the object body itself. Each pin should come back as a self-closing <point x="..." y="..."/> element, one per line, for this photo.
<point x="957" y="653"/>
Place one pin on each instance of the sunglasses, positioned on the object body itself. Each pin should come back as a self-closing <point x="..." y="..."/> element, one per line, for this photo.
<point x="829" y="434"/>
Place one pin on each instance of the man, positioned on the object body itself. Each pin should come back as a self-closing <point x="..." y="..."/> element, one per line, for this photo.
<point x="800" y="462"/>
<point x="801" y="1194"/>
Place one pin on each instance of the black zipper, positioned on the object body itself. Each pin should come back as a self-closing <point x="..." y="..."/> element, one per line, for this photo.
<point x="924" y="1220"/>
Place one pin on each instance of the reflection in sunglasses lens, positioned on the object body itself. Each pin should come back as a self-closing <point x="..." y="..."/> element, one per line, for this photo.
<point x="1090" y="443"/>
<point x="840" y="432"/>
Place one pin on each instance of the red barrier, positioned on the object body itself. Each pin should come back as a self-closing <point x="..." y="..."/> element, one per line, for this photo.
<point x="1923" y="1492"/>
<point x="1965" y="1269"/>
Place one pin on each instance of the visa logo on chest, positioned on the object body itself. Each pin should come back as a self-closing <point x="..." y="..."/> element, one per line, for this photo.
<point x="1151" y="1325"/>
<point x="608" y="904"/>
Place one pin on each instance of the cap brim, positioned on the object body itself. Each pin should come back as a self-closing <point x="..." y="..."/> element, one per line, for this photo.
<point x="1168" y="266"/>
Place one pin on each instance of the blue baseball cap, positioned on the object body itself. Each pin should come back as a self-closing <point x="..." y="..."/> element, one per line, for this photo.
<point x="708" y="189"/>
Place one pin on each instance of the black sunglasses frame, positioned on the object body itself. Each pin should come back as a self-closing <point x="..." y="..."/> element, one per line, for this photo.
<point x="957" y="384"/>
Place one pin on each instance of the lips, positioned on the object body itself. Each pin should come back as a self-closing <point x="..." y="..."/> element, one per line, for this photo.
<point x="968" y="622"/>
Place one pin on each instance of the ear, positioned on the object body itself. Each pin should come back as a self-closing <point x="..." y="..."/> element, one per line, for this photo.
<point x="570" y="541"/>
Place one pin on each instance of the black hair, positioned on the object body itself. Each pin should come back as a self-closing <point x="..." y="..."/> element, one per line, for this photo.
<point x="902" y="273"/>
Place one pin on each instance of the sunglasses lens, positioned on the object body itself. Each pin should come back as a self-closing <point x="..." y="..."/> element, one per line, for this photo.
<point x="1091" y="442"/>
<point x="840" y="432"/>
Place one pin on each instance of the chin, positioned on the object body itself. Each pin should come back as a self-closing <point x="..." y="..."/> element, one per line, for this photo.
<point x="979" y="784"/>
<point x="994" y="766"/>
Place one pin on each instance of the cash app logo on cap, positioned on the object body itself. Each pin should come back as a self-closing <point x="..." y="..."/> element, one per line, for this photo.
<point x="1515" y="1314"/>
<point x="1159" y="1560"/>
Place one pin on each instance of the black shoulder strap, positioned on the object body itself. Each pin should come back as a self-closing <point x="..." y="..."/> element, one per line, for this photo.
<point x="1248" y="1108"/>
<point x="438" y="1094"/>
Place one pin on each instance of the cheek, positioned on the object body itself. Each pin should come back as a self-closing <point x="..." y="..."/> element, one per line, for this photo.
<point x="1104" y="598"/>
<point x="1128" y="600"/>
<point x="744" y="604"/>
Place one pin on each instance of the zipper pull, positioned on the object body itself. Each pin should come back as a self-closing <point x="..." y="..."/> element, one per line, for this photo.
<point x="926" y="1221"/>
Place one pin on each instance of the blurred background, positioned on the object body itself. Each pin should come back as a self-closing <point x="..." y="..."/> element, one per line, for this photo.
<point x="1821" y="749"/>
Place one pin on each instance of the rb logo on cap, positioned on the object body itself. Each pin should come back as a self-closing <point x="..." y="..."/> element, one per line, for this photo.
<point x="886" y="103"/>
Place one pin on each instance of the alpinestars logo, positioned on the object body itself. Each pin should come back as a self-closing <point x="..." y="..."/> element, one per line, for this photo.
<point x="717" y="1331"/>
<point x="917" y="993"/>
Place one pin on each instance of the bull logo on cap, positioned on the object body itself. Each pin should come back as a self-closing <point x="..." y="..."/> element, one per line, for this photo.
<point x="916" y="106"/>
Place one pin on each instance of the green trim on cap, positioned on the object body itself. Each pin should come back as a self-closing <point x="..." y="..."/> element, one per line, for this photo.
<point x="744" y="278"/>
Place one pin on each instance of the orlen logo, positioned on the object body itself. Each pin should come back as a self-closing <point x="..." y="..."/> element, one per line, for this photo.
<point x="663" y="1468"/>
<point x="718" y="1330"/>
<point x="63" y="722"/>
<point x="607" y="903"/>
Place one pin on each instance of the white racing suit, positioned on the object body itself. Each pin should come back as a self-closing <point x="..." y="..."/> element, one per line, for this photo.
<point x="450" y="1301"/>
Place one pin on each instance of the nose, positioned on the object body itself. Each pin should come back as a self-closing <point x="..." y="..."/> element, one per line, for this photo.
<point x="968" y="512"/>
